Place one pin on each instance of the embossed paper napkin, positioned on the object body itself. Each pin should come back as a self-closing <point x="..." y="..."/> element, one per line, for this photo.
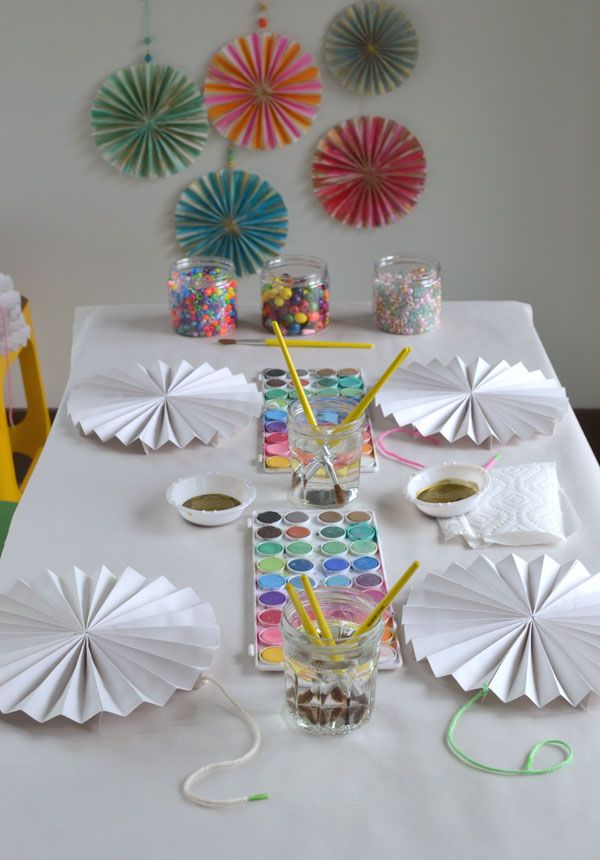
<point x="523" y="505"/>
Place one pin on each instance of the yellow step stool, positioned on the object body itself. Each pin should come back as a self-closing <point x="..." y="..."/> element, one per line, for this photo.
<point x="29" y="435"/>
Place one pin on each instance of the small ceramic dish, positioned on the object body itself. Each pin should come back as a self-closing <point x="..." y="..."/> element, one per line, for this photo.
<point x="211" y="482"/>
<point x="461" y="471"/>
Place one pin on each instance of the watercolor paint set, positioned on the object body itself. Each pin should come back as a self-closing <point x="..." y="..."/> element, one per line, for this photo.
<point x="278" y="392"/>
<point x="333" y="548"/>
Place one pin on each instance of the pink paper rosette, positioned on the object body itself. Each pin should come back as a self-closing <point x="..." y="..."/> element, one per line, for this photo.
<point x="262" y="91"/>
<point x="368" y="171"/>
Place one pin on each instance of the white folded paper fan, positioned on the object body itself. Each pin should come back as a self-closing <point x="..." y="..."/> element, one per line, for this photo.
<point x="79" y="645"/>
<point x="162" y="404"/>
<point x="477" y="400"/>
<point x="525" y="628"/>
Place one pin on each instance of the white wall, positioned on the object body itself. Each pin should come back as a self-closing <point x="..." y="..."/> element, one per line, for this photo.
<point x="504" y="98"/>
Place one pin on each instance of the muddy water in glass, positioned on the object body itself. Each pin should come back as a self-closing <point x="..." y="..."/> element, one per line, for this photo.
<point x="330" y="689"/>
<point x="325" y="464"/>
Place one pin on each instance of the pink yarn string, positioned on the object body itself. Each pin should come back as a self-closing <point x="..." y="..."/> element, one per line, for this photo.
<point x="8" y="376"/>
<point x="392" y="455"/>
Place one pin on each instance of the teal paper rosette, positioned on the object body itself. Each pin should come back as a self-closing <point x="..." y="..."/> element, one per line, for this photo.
<point x="149" y="120"/>
<point x="232" y="214"/>
<point x="371" y="47"/>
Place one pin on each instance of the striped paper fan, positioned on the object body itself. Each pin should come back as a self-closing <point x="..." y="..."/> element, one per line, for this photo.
<point x="232" y="214"/>
<point x="262" y="91"/>
<point x="79" y="645"/>
<point x="164" y="404"/>
<point x="368" y="171"/>
<point x="149" y="120"/>
<point x="525" y="628"/>
<point x="478" y="400"/>
<point x="371" y="47"/>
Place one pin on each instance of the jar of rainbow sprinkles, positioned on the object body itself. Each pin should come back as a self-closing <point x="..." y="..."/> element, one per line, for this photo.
<point x="295" y="293"/>
<point x="407" y="294"/>
<point x="202" y="296"/>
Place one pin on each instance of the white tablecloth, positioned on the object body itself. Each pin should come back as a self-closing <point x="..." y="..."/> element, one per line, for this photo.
<point x="110" y="789"/>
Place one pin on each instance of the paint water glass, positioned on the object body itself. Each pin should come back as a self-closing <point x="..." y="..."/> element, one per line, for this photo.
<point x="330" y="688"/>
<point x="325" y="461"/>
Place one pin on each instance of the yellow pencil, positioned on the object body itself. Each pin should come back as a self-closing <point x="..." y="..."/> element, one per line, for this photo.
<point x="383" y="604"/>
<point x="309" y="627"/>
<point x="312" y="599"/>
<point x="370" y="395"/>
<point x="297" y="384"/>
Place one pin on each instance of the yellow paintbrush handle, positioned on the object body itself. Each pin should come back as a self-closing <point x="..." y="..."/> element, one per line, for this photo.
<point x="370" y="395"/>
<point x="383" y="604"/>
<point x="312" y="599"/>
<point x="309" y="627"/>
<point x="340" y="344"/>
<point x="297" y="384"/>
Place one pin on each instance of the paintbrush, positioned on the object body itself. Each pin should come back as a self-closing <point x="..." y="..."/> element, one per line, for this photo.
<point x="316" y="344"/>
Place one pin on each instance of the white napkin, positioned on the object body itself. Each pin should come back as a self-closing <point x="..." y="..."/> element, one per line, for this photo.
<point x="13" y="328"/>
<point x="523" y="505"/>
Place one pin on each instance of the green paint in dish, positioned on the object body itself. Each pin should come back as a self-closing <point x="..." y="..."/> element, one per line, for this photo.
<point x="269" y="547"/>
<point x="299" y="547"/>
<point x="361" y="531"/>
<point x="327" y="382"/>
<point x="270" y="564"/>
<point x="332" y="532"/>
<point x="363" y="547"/>
<point x="211" y="502"/>
<point x="334" y="547"/>
<point x="350" y="382"/>
<point x="275" y="394"/>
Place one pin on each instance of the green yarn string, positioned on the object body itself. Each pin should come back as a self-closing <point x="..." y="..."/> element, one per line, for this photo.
<point x="147" y="36"/>
<point x="528" y="769"/>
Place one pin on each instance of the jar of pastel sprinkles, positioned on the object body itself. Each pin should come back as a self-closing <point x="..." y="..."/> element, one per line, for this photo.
<point x="295" y="293"/>
<point x="407" y="294"/>
<point x="202" y="296"/>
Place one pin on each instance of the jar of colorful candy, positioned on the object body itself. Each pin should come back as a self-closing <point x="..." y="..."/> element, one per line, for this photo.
<point x="295" y="293"/>
<point x="202" y="296"/>
<point x="407" y="294"/>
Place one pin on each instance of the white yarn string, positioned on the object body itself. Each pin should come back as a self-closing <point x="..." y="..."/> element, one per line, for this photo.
<point x="234" y="762"/>
<point x="8" y="376"/>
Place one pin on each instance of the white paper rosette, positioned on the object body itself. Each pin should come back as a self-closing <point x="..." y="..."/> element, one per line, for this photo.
<point x="478" y="400"/>
<point x="525" y="628"/>
<point x="163" y="403"/>
<point x="78" y="645"/>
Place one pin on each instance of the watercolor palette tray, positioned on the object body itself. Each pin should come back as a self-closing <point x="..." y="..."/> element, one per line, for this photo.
<point x="278" y="391"/>
<point x="339" y="549"/>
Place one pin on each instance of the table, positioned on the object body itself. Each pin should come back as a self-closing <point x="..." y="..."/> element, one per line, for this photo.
<point x="112" y="787"/>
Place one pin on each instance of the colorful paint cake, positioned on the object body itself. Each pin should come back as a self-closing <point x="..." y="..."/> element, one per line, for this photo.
<point x="278" y="392"/>
<point x="333" y="548"/>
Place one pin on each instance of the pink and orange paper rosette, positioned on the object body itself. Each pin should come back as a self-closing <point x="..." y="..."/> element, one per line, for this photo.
<point x="262" y="91"/>
<point x="368" y="171"/>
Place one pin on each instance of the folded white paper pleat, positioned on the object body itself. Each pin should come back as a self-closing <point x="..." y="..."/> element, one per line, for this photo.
<point x="525" y="628"/>
<point x="79" y="645"/>
<point x="163" y="403"/>
<point x="523" y="505"/>
<point x="477" y="400"/>
<point x="14" y="331"/>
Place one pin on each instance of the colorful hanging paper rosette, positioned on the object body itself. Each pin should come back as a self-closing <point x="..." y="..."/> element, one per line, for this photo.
<point x="149" y="120"/>
<point x="232" y="214"/>
<point x="371" y="47"/>
<point x="368" y="171"/>
<point x="262" y="91"/>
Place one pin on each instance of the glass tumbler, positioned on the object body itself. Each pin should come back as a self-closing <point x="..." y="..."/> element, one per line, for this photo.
<point x="202" y="296"/>
<point x="330" y="689"/>
<point x="407" y="294"/>
<point x="325" y="464"/>
<point x="295" y="294"/>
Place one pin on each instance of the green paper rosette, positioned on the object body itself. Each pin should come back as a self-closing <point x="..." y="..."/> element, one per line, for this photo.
<point x="371" y="47"/>
<point x="232" y="214"/>
<point x="149" y="120"/>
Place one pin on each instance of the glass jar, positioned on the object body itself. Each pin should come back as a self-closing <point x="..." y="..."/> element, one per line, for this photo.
<point x="202" y="296"/>
<point x="325" y="462"/>
<point x="407" y="294"/>
<point x="330" y="689"/>
<point x="295" y="293"/>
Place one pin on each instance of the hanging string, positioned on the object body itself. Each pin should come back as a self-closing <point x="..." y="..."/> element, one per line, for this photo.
<point x="147" y="36"/>
<point x="263" y="21"/>
<point x="8" y="371"/>
<point x="230" y="156"/>
<point x="234" y="762"/>
<point x="528" y="769"/>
